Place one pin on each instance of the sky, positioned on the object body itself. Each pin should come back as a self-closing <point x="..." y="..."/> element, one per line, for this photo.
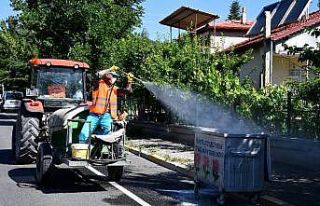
<point x="156" y="10"/>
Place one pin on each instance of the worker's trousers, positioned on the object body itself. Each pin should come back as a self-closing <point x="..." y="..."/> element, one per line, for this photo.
<point x="92" y="121"/>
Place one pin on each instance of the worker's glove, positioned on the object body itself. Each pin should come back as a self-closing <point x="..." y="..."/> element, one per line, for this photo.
<point x="114" y="68"/>
<point x="130" y="77"/>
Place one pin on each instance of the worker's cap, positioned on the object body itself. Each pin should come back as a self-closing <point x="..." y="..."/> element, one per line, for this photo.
<point x="104" y="72"/>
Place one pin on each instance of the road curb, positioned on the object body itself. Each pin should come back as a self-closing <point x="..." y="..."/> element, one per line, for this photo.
<point x="265" y="199"/>
<point x="160" y="161"/>
<point x="272" y="201"/>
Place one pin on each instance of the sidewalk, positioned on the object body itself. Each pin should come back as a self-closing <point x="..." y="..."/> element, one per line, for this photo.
<point x="290" y="186"/>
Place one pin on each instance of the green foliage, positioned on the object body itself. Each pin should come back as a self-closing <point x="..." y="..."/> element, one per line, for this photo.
<point x="234" y="13"/>
<point x="15" y="50"/>
<point x="81" y="30"/>
<point x="309" y="90"/>
<point x="187" y="65"/>
<point x="303" y="103"/>
<point x="101" y="34"/>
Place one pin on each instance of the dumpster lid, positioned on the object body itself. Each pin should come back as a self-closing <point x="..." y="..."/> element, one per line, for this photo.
<point x="213" y="131"/>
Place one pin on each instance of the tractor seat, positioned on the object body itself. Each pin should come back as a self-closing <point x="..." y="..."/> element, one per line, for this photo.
<point x="110" y="138"/>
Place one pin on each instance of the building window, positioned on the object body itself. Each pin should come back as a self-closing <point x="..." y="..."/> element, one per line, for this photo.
<point x="297" y="74"/>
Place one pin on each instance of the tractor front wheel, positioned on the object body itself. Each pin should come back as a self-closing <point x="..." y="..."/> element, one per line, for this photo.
<point x="43" y="163"/>
<point x="115" y="173"/>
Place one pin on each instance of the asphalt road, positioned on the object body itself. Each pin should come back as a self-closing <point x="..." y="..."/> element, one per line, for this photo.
<point x="144" y="183"/>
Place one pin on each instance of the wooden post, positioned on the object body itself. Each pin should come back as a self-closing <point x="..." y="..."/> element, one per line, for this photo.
<point x="196" y="24"/>
<point x="179" y="31"/>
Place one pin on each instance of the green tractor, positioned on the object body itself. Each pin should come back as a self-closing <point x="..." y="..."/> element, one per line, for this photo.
<point x="51" y="118"/>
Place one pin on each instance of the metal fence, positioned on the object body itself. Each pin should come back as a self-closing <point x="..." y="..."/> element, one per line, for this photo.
<point x="295" y="118"/>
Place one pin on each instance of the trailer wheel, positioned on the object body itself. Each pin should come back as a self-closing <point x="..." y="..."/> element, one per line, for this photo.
<point x="25" y="145"/>
<point x="254" y="198"/>
<point x="115" y="173"/>
<point x="119" y="149"/>
<point x="43" y="163"/>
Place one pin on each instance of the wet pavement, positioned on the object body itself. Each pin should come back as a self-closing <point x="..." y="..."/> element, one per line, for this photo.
<point x="290" y="185"/>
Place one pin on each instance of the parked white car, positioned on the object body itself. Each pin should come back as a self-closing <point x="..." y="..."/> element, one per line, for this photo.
<point x="11" y="100"/>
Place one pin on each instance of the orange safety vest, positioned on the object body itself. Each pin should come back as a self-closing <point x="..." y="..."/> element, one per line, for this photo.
<point x="103" y="101"/>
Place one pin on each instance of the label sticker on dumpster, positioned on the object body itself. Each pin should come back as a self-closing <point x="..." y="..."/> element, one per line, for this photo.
<point x="209" y="159"/>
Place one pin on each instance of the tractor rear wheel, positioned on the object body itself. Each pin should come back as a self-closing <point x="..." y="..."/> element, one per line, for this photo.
<point x="25" y="145"/>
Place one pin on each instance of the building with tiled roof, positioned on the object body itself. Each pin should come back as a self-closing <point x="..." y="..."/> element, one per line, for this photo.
<point x="229" y="25"/>
<point x="222" y="35"/>
<point x="282" y="65"/>
<point x="282" y="32"/>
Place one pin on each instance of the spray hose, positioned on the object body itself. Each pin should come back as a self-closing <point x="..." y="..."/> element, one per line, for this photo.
<point x="127" y="74"/>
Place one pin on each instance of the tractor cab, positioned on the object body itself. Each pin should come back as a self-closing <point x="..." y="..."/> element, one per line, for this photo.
<point x="57" y="83"/>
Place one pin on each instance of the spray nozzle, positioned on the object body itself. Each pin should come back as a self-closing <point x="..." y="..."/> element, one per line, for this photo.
<point x="128" y="75"/>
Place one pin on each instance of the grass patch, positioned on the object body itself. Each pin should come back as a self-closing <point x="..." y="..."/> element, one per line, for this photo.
<point x="176" y="159"/>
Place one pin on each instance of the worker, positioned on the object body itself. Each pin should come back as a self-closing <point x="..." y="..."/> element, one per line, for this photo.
<point x="104" y="103"/>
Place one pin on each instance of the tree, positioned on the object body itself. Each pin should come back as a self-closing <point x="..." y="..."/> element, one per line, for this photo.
<point x="82" y="30"/>
<point x="15" y="50"/>
<point x="234" y="13"/>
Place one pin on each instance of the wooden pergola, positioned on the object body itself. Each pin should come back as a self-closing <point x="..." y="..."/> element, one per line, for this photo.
<point x="188" y="19"/>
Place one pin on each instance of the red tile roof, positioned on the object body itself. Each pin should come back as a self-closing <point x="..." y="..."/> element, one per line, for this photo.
<point x="233" y="25"/>
<point x="281" y="32"/>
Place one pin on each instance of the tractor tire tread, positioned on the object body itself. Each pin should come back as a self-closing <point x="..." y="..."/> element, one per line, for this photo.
<point x="27" y="131"/>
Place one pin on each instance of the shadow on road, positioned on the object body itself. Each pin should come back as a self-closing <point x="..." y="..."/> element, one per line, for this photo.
<point x="61" y="181"/>
<point x="295" y="185"/>
<point x="120" y="200"/>
<point x="8" y="119"/>
<point x="6" y="157"/>
<point x="7" y="123"/>
<point x="8" y="115"/>
<point x="23" y="176"/>
<point x="180" y="187"/>
<point x="161" y="184"/>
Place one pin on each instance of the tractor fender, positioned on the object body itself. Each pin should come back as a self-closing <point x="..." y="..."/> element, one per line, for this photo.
<point x="33" y="106"/>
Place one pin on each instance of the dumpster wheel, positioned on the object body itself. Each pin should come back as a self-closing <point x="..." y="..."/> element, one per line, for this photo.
<point x="196" y="187"/>
<point x="220" y="199"/>
<point x="255" y="197"/>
